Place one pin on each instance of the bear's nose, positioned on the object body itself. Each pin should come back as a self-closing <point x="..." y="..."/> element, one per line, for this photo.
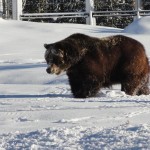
<point x="48" y="70"/>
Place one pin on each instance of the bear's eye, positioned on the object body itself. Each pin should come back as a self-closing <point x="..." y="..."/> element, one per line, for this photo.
<point x="61" y="60"/>
<point x="58" y="61"/>
<point x="49" y="59"/>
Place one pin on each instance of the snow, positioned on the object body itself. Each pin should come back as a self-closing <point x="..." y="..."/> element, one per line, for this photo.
<point x="38" y="111"/>
<point x="139" y="26"/>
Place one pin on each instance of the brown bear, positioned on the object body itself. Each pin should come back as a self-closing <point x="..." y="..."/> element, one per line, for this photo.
<point x="92" y="63"/>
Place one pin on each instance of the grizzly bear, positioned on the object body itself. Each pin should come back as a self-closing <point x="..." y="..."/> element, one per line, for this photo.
<point x="92" y="63"/>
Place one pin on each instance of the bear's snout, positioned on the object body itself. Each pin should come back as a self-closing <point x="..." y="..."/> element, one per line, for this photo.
<point x="53" y="69"/>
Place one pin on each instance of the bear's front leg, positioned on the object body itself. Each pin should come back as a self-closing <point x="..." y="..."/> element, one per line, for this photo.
<point x="83" y="87"/>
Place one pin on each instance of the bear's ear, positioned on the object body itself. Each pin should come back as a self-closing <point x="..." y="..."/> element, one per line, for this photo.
<point x="46" y="46"/>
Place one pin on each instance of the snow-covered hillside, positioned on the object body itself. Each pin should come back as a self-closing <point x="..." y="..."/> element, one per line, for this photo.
<point x="38" y="111"/>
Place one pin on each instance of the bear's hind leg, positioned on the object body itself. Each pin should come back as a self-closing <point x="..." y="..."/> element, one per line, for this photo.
<point x="131" y="85"/>
<point x="144" y="89"/>
<point x="136" y="85"/>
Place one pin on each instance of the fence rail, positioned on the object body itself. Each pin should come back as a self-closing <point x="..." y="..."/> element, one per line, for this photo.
<point x="122" y="13"/>
<point x="89" y="12"/>
<point x="50" y="15"/>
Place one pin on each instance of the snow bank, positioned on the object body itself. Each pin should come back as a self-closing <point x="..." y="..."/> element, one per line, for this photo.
<point x="139" y="26"/>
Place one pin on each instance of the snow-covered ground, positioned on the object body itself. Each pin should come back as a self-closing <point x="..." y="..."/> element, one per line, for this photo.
<point x="38" y="111"/>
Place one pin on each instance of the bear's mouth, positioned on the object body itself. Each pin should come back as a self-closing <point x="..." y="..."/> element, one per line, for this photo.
<point x="54" y="69"/>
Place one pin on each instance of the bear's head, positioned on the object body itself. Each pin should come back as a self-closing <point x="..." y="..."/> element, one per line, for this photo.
<point x="59" y="57"/>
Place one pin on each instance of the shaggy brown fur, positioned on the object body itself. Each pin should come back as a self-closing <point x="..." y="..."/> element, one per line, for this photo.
<point x="92" y="63"/>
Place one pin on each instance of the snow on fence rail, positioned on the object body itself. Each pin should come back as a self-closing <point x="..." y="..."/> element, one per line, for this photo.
<point x="89" y="13"/>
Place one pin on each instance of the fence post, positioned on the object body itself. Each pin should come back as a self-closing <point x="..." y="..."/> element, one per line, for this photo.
<point x="89" y="8"/>
<point x="1" y="6"/>
<point x="137" y="8"/>
<point x="1" y="9"/>
<point x="16" y="9"/>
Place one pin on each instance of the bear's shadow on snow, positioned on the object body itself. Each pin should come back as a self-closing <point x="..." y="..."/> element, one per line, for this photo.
<point x="35" y="96"/>
<point x="72" y="99"/>
<point x="13" y="66"/>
